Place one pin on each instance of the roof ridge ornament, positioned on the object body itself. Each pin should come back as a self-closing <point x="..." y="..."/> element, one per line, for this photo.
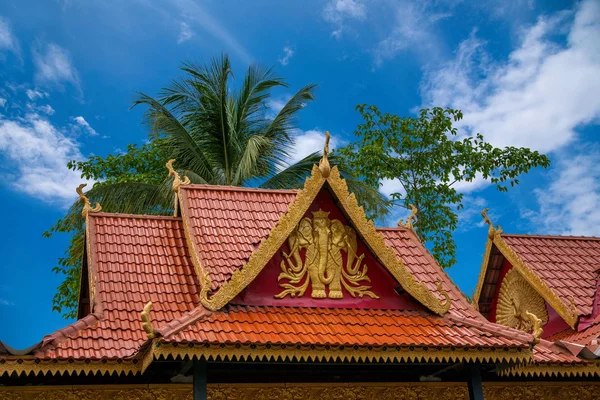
<point x="177" y="182"/>
<point x="493" y="231"/>
<point x="536" y="325"/>
<point x="324" y="166"/>
<point x="147" y="322"/>
<point x="409" y="221"/>
<point x="87" y="205"/>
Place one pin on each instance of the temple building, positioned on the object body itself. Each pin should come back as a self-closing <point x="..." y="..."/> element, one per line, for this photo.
<point x="294" y="294"/>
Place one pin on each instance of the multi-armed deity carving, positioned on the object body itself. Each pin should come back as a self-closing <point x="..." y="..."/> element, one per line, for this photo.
<point x="324" y="242"/>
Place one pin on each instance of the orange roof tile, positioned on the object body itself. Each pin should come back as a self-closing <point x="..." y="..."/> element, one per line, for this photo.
<point x="339" y="326"/>
<point x="227" y="223"/>
<point x="135" y="259"/>
<point x="568" y="265"/>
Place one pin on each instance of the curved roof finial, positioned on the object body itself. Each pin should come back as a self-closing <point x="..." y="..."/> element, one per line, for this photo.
<point x="324" y="163"/>
<point x="177" y="181"/>
<point x="87" y="205"/>
<point x="493" y="230"/>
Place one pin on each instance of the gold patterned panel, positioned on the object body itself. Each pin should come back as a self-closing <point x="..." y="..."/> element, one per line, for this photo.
<point x="311" y="391"/>
<point x="516" y="299"/>
<point x="323" y="241"/>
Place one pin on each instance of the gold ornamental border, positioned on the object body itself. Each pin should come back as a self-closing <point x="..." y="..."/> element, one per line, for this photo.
<point x="36" y="366"/>
<point x="279" y="234"/>
<point x="312" y="353"/>
<point x="568" y="313"/>
<point x="306" y="391"/>
<point x="562" y="370"/>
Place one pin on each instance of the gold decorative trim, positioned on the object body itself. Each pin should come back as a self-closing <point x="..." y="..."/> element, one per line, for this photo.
<point x="288" y="222"/>
<point x="482" y="272"/>
<point x="177" y="182"/>
<point x="562" y="370"/>
<point x="309" y="391"/>
<point x="87" y="205"/>
<point x="386" y="255"/>
<point x="567" y="312"/>
<point x="312" y="353"/>
<point x="146" y="322"/>
<point x="536" y="323"/>
<point x="324" y="166"/>
<point x="35" y="366"/>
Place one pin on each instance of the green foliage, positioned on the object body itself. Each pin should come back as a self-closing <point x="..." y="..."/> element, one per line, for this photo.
<point x="217" y="134"/>
<point x="428" y="157"/>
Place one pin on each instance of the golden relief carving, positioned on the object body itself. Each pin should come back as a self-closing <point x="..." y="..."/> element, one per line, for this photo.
<point x="323" y="241"/>
<point x="146" y="321"/>
<point x="519" y="305"/>
<point x="307" y="391"/>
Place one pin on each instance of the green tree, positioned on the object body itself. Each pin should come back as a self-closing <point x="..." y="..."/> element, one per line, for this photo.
<point x="217" y="134"/>
<point x="426" y="155"/>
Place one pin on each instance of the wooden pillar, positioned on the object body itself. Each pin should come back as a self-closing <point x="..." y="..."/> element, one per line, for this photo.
<point x="474" y="382"/>
<point x="200" y="380"/>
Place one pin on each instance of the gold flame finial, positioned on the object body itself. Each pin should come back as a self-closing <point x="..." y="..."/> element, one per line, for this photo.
<point x="324" y="163"/>
<point x="177" y="182"/>
<point x="409" y="221"/>
<point x="87" y="206"/>
<point x="146" y="322"/>
<point x="492" y="231"/>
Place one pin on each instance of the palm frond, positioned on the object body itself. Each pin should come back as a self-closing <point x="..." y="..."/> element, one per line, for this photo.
<point x="294" y="175"/>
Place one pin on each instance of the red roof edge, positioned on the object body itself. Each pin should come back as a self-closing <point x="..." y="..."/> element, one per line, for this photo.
<point x="183" y="322"/>
<point x="50" y="341"/>
<point x="495" y="329"/>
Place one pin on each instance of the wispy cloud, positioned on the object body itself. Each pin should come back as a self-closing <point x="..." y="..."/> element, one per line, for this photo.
<point x="185" y="33"/>
<point x="8" y="41"/>
<point x="546" y="89"/>
<point x="569" y="205"/>
<point x="2" y="102"/>
<point x="288" y="53"/>
<point x="198" y="16"/>
<point x="35" y="94"/>
<point x="414" y="30"/>
<point x="54" y="67"/>
<point x="83" y="125"/>
<point x="36" y="154"/>
<point x="308" y="142"/>
<point x="338" y="11"/>
<point x="7" y="303"/>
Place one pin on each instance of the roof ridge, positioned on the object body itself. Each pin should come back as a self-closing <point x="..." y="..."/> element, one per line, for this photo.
<point x="53" y="339"/>
<point x="492" y="327"/>
<point x="237" y="188"/>
<point x="187" y="319"/>
<point x="135" y="216"/>
<point x="558" y="237"/>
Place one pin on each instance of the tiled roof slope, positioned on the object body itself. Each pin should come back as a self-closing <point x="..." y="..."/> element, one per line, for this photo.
<point x="228" y="223"/>
<point x="339" y="326"/>
<point x="567" y="265"/>
<point x="135" y="259"/>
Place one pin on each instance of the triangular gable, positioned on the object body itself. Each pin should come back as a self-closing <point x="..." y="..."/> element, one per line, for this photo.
<point x="325" y="263"/>
<point x="218" y="297"/>
<point x="498" y="249"/>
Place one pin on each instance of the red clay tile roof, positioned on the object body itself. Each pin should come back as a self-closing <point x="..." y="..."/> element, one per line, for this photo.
<point x="567" y="265"/>
<point x="338" y="326"/>
<point x="228" y="223"/>
<point x="547" y="352"/>
<point x="135" y="259"/>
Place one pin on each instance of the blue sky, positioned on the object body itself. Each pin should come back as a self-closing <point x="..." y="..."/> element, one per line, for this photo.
<point x="525" y="73"/>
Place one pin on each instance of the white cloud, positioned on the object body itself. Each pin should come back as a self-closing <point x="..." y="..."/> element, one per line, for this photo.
<point x="53" y="66"/>
<point x="35" y="94"/>
<point x="390" y="186"/>
<point x="540" y="95"/>
<point x="85" y="126"/>
<point x="570" y="204"/>
<point x="414" y="30"/>
<point x="46" y="109"/>
<point x="8" y="41"/>
<point x="2" y="102"/>
<point x="309" y="142"/>
<point x="4" y="302"/>
<point x="275" y="104"/>
<point x="36" y="155"/>
<point x="185" y="32"/>
<point x="337" y="11"/>
<point x="288" y="53"/>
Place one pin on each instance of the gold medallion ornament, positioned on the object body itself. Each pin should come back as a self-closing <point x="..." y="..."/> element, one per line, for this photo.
<point x="519" y="305"/>
<point x="324" y="240"/>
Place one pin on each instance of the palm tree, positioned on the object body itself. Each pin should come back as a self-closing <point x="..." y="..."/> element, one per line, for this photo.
<point x="218" y="136"/>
